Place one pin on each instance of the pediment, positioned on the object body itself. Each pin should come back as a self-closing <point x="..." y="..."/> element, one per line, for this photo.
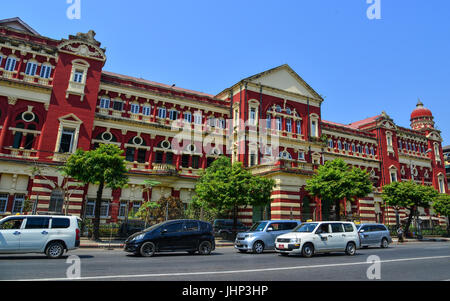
<point x="18" y="24"/>
<point x="72" y="118"/>
<point x="286" y="79"/>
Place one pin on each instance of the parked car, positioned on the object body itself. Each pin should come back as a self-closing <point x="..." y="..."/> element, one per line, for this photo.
<point x="320" y="237"/>
<point x="130" y="227"/>
<point x="224" y="228"/>
<point x="173" y="236"/>
<point x="51" y="235"/>
<point x="261" y="236"/>
<point x="374" y="234"/>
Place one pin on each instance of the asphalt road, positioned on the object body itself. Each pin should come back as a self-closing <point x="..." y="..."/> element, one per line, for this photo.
<point x="410" y="262"/>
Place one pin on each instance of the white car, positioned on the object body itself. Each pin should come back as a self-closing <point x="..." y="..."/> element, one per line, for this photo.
<point x="47" y="234"/>
<point x="319" y="237"/>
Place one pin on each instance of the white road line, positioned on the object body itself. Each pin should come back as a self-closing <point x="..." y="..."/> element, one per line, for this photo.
<point x="236" y="271"/>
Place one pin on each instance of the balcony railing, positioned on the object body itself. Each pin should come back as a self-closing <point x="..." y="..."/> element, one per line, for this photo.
<point x="76" y="89"/>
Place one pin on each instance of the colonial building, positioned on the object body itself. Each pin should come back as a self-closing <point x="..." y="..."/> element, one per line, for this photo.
<point x="55" y="97"/>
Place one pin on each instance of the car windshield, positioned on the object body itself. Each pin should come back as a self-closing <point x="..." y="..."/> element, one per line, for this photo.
<point x="258" y="227"/>
<point x="307" y="227"/>
<point x="153" y="227"/>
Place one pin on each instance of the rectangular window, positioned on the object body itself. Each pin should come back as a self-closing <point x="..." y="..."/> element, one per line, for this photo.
<point x="289" y="125"/>
<point x="31" y="68"/>
<point x="135" y="108"/>
<point x="313" y="128"/>
<point x="1" y="60"/>
<point x="299" y="127"/>
<point x="393" y="176"/>
<point x="104" y="103"/>
<point x="169" y="158"/>
<point x="162" y="112"/>
<point x="18" y="203"/>
<point x="142" y="153"/>
<point x="37" y="223"/>
<point x="173" y="115"/>
<point x="252" y="159"/>
<point x="195" y="162"/>
<point x="197" y="119"/>
<point x="104" y="209"/>
<point x="60" y="223"/>
<point x="122" y="208"/>
<point x="185" y="161"/>
<point x="188" y="117"/>
<point x="78" y="76"/>
<point x="268" y="122"/>
<point x="301" y="156"/>
<point x="66" y="144"/>
<point x="136" y="206"/>
<point x="212" y="121"/>
<point x="279" y="124"/>
<point x="159" y="157"/>
<point x="441" y="186"/>
<point x="3" y="202"/>
<point x="252" y="116"/>
<point x="90" y="208"/>
<point x="45" y="71"/>
<point x="146" y="110"/>
<point x="118" y="105"/>
<point x="129" y="155"/>
<point x="353" y="148"/>
<point x="10" y="64"/>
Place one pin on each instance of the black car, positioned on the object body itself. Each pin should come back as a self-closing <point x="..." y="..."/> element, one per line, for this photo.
<point x="173" y="236"/>
<point x="224" y="228"/>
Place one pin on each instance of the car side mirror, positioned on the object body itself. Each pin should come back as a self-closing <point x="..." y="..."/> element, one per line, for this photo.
<point x="362" y="231"/>
<point x="163" y="231"/>
<point x="269" y="229"/>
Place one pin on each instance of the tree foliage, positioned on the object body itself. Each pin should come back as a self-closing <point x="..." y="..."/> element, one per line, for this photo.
<point x="104" y="166"/>
<point x="441" y="206"/>
<point x="167" y="208"/>
<point x="409" y="195"/>
<point x="336" y="180"/>
<point x="223" y="187"/>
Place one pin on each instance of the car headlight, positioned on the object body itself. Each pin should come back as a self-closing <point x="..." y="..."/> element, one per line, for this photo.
<point x="295" y="240"/>
<point x="248" y="235"/>
<point x="139" y="237"/>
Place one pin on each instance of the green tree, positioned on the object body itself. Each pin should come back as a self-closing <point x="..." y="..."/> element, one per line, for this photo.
<point x="442" y="206"/>
<point x="336" y="181"/>
<point x="104" y="166"/>
<point x="225" y="186"/>
<point x="168" y="208"/>
<point x="409" y="195"/>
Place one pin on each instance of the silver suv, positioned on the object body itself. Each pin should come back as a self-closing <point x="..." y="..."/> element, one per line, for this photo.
<point x="262" y="235"/>
<point x="51" y="235"/>
<point x="374" y="234"/>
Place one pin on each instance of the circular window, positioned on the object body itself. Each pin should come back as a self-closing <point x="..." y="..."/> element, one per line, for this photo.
<point x="106" y="136"/>
<point x="191" y="148"/>
<point x="28" y="116"/>
<point x="137" y="140"/>
<point x="216" y="151"/>
<point x="165" y="144"/>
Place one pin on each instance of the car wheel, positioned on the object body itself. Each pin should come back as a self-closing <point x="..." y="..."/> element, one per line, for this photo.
<point x="54" y="250"/>
<point x="384" y="243"/>
<point x="350" y="249"/>
<point x="147" y="249"/>
<point x="258" y="247"/>
<point x="308" y="250"/>
<point x="205" y="248"/>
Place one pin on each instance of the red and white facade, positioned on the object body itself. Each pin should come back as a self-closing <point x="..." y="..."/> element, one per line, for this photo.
<point x="55" y="97"/>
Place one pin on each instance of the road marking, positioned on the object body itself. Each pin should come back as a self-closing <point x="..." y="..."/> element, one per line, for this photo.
<point x="234" y="272"/>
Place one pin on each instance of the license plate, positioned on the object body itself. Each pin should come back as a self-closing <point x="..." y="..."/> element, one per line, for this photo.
<point x="281" y="246"/>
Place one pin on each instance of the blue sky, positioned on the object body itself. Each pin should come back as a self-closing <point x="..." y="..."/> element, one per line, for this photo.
<point x="360" y="66"/>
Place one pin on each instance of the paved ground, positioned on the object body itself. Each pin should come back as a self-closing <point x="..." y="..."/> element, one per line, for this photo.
<point x="413" y="261"/>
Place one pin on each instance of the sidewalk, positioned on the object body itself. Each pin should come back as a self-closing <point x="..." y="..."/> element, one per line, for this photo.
<point x="119" y="244"/>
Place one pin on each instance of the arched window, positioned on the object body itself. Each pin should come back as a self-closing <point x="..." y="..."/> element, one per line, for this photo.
<point x="18" y="136"/>
<point x="31" y="68"/>
<point x="46" y="71"/>
<point x="10" y="64"/>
